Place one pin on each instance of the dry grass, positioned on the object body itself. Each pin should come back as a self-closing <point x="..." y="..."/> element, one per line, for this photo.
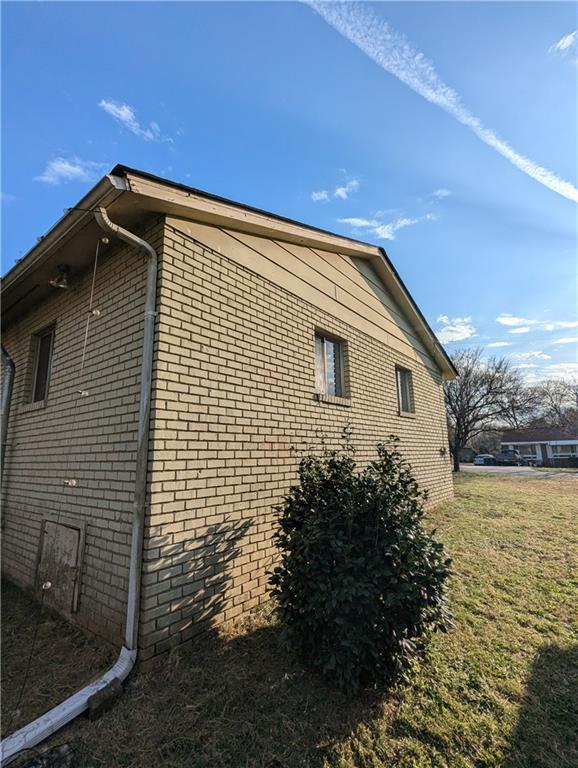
<point x="566" y="470"/>
<point x="64" y="659"/>
<point x="500" y="691"/>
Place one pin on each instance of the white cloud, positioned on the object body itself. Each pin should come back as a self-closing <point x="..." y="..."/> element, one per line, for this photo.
<point x="392" y="51"/>
<point x="387" y="231"/>
<point x="514" y="321"/>
<point x="564" y="44"/>
<point x="567" y="340"/>
<point x="500" y="344"/>
<point x="344" y="191"/>
<point x="562" y="371"/>
<point x="126" y="116"/>
<point x="522" y="329"/>
<point x="507" y="319"/>
<point x="63" y="169"/>
<point x="532" y="355"/>
<point x="454" y="329"/>
<point x="559" y="324"/>
<point x="441" y="193"/>
<point x="359" y="223"/>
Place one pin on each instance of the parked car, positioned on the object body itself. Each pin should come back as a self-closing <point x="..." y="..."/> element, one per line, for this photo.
<point x="511" y="457"/>
<point x="484" y="459"/>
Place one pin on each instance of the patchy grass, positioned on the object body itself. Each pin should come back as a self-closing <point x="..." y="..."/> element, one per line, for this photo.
<point x="64" y="659"/>
<point x="500" y="691"/>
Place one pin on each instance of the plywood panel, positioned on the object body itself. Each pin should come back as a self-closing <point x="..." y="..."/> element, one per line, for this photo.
<point x="263" y="257"/>
<point x="306" y="265"/>
<point x="356" y="283"/>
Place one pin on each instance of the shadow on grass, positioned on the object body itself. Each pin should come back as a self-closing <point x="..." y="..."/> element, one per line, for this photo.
<point x="547" y="732"/>
<point x="229" y="701"/>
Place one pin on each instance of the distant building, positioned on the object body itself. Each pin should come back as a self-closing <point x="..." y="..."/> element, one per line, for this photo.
<point x="543" y="446"/>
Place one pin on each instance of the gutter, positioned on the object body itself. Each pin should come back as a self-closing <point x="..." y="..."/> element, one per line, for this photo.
<point x="44" y="726"/>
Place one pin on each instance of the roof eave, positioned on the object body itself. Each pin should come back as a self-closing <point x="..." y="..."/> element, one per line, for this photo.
<point x="213" y="209"/>
<point x="103" y="193"/>
<point x="153" y="193"/>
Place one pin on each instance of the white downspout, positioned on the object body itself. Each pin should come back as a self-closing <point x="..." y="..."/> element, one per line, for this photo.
<point x="44" y="726"/>
<point x="7" y="383"/>
<point x="8" y="371"/>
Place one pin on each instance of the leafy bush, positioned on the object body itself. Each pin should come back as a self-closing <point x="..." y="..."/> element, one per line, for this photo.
<point x="360" y="585"/>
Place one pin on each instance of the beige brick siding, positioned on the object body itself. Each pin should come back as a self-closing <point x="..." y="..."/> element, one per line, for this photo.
<point x="91" y="439"/>
<point x="233" y="404"/>
<point x="234" y="398"/>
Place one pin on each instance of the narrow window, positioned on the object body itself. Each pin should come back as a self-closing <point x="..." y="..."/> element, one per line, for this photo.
<point x="328" y="366"/>
<point x="42" y="363"/>
<point x="404" y="390"/>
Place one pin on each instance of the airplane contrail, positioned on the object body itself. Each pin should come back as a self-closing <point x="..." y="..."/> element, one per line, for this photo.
<point x="394" y="52"/>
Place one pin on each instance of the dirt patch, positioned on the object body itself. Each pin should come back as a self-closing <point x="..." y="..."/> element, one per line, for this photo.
<point x="63" y="658"/>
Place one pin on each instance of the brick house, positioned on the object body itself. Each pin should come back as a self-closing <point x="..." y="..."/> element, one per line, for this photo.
<point x="158" y="394"/>
<point x="544" y="446"/>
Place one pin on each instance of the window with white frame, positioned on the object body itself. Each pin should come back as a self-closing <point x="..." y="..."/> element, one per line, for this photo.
<point x="43" y="343"/>
<point x="329" y="366"/>
<point x="405" y="399"/>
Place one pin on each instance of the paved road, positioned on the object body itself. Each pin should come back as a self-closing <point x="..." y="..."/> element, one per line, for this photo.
<point x="517" y="471"/>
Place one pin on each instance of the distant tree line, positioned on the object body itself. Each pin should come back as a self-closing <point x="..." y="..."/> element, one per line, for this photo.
<point x="491" y="395"/>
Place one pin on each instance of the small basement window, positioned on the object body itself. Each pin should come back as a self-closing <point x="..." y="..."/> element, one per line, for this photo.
<point x="43" y="343"/>
<point x="405" y="400"/>
<point x="329" y="372"/>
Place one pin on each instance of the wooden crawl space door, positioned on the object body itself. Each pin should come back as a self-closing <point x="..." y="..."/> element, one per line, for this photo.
<point x="60" y="564"/>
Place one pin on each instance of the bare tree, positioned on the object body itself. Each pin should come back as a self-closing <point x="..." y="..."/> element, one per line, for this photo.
<point x="558" y="402"/>
<point x="522" y="403"/>
<point x="478" y="398"/>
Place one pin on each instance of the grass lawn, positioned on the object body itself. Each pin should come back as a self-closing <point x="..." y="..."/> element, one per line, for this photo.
<point x="500" y="690"/>
<point x="567" y="470"/>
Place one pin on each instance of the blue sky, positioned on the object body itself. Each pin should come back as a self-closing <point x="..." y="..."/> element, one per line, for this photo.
<point x="447" y="136"/>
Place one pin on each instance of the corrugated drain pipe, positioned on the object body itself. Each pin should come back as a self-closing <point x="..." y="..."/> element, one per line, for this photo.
<point x="43" y="727"/>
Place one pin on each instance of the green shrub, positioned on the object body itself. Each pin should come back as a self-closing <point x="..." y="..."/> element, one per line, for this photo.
<point x="360" y="584"/>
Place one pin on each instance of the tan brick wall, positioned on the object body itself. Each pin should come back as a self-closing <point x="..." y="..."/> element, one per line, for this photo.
<point x="91" y="439"/>
<point x="234" y="396"/>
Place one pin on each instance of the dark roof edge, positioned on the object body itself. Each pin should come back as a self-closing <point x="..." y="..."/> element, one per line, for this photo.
<point x="437" y="344"/>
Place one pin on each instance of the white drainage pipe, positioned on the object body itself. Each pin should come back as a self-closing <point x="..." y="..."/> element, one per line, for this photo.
<point x="45" y="725"/>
